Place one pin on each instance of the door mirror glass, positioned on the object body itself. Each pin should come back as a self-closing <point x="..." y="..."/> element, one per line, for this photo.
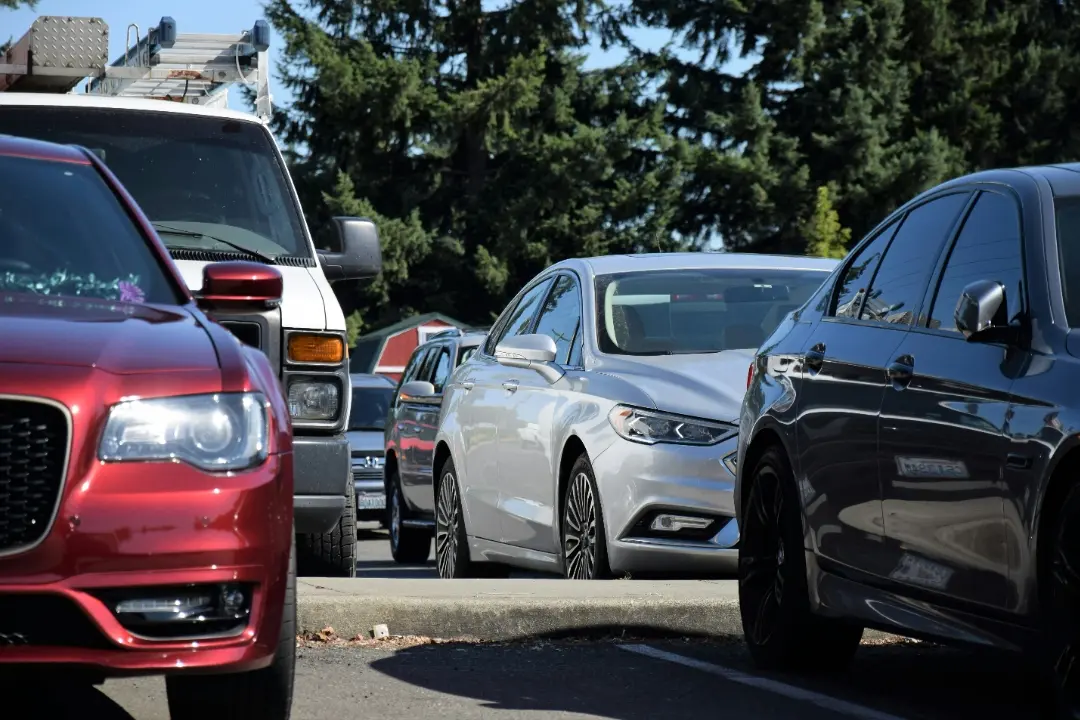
<point x="533" y="352"/>
<point x="981" y="314"/>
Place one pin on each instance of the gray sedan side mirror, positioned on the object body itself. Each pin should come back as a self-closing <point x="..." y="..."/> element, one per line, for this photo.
<point x="419" y="391"/>
<point x="981" y="314"/>
<point x="532" y="352"/>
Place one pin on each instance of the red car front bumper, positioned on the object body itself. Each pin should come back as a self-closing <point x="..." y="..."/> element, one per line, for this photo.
<point x="125" y="531"/>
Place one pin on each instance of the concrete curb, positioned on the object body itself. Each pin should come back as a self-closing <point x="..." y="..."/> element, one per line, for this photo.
<point x="517" y="609"/>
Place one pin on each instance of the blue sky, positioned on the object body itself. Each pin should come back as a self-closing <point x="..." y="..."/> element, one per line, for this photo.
<point x="209" y="16"/>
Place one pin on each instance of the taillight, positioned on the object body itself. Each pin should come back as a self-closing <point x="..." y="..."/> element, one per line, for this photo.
<point x="749" y="375"/>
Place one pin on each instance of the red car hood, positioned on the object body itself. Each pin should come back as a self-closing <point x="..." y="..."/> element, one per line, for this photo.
<point x="119" y="338"/>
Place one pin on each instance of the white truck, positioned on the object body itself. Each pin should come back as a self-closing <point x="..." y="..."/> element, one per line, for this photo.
<point x="217" y="188"/>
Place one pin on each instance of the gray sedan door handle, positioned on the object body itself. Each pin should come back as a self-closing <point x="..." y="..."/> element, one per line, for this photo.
<point x="467" y="385"/>
<point x="510" y="386"/>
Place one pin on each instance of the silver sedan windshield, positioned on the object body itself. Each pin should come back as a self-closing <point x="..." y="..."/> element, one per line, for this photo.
<point x="675" y="312"/>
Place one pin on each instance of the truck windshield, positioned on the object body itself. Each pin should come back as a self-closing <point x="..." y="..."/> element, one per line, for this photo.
<point x="209" y="184"/>
<point x="674" y="312"/>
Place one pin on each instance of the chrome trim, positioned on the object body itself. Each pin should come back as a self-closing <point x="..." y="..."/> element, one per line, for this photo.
<point x="63" y="476"/>
<point x="188" y="638"/>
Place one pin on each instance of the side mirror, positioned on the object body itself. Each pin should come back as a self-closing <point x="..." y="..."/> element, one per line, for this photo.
<point x="417" y="391"/>
<point x="240" y="283"/>
<point x="981" y="314"/>
<point x="361" y="253"/>
<point x="532" y="352"/>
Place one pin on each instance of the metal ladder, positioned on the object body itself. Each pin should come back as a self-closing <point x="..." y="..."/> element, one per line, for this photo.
<point x="59" y="52"/>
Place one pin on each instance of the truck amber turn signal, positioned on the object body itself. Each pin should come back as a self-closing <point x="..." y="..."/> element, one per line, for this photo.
<point x="316" y="348"/>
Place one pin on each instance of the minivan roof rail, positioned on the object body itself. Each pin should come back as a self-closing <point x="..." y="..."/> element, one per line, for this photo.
<point x="58" y="52"/>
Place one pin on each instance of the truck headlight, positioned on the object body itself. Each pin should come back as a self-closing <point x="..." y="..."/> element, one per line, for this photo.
<point x="314" y="399"/>
<point x="223" y="431"/>
<point x="650" y="427"/>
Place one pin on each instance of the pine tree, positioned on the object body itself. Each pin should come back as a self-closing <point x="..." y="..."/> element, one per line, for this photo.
<point x="825" y="236"/>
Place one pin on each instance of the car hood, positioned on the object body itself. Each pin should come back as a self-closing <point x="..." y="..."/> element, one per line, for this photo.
<point x="708" y="385"/>
<point x="119" y="338"/>
<point x="365" y="441"/>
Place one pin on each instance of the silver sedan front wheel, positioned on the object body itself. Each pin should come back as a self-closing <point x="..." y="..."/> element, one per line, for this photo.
<point x="584" y="545"/>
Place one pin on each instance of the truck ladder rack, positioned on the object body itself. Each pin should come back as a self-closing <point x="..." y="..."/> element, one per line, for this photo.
<point x="60" y="52"/>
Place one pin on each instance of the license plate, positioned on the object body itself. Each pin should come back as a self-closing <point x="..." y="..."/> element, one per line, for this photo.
<point x="370" y="502"/>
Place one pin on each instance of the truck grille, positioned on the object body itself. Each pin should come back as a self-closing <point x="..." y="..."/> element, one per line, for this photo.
<point x="367" y="473"/>
<point x="248" y="333"/>
<point x="33" y="448"/>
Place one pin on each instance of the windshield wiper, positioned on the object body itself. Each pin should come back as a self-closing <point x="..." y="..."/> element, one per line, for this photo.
<point x="268" y="259"/>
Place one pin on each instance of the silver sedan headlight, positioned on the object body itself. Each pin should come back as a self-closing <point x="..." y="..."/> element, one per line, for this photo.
<point x="219" y="432"/>
<point x="651" y="426"/>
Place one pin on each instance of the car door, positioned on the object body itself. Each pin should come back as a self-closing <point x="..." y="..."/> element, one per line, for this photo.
<point x="408" y="425"/>
<point x="842" y="384"/>
<point x="482" y="411"/>
<point x="528" y="451"/>
<point x="942" y="442"/>
<point x="424" y="418"/>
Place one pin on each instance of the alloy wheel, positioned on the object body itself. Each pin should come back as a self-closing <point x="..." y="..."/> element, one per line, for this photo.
<point x="762" y="557"/>
<point x="447" y="521"/>
<point x="579" y="535"/>
<point x="1064" y="615"/>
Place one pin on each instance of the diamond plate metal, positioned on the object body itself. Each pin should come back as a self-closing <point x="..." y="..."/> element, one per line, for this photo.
<point x="68" y="42"/>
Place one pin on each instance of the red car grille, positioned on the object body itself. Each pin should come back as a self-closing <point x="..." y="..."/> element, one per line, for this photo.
<point x="33" y="450"/>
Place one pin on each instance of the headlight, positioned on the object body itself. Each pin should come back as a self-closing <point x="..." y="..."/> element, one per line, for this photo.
<point x="226" y="431"/>
<point x="311" y="399"/>
<point x="650" y="426"/>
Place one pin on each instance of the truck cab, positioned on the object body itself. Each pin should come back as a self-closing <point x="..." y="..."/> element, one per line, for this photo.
<point x="216" y="188"/>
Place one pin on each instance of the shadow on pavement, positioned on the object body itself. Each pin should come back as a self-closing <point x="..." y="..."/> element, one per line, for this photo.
<point x="59" y="700"/>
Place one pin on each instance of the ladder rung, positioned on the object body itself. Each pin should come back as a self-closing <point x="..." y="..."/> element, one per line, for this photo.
<point x="228" y="57"/>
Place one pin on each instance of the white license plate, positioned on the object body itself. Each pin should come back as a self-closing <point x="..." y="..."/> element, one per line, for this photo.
<point x="370" y="502"/>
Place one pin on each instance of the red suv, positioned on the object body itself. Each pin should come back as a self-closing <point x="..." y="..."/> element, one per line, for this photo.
<point x="145" y="453"/>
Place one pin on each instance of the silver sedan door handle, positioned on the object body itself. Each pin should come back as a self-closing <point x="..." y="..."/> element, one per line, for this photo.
<point x="510" y="386"/>
<point x="467" y="385"/>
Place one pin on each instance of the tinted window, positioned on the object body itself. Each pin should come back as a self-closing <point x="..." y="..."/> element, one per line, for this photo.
<point x="64" y="232"/>
<point x="856" y="278"/>
<point x="442" y="370"/>
<point x="988" y="248"/>
<point x="428" y="365"/>
<point x="671" y="312"/>
<point x="413" y="368"/>
<point x="575" y="349"/>
<point x="522" y="316"/>
<point x="369" y="407"/>
<point x="191" y="175"/>
<point x="1068" y="229"/>
<point x="561" y="316"/>
<point x="465" y="354"/>
<point x="901" y="278"/>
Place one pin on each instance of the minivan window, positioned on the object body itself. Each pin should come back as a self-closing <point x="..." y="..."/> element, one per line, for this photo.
<point x="64" y="232"/>
<point x="674" y="312"/>
<point x="207" y="183"/>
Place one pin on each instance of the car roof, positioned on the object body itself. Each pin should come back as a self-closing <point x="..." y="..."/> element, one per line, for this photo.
<point x="87" y="100"/>
<point x="605" y="264"/>
<point x="370" y="380"/>
<point x="13" y="146"/>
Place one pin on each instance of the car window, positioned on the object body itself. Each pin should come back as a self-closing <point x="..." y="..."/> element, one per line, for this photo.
<point x="1067" y="211"/>
<point x="988" y="248"/>
<point x="64" y="232"/>
<point x="428" y="364"/>
<point x="465" y="354"/>
<point x="369" y="407"/>
<point x="521" y="318"/>
<point x="442" y="370"/>
<point x="204" y="181"/>
<point x="901" y="278"/>
<point x="561" y="315"/>
<point x="575" y="349"/>
<point x="856" y="277"/>
<point x="413" y="368"/>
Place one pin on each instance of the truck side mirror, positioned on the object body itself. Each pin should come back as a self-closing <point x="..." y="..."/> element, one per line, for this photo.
<point x="361" y="252"/>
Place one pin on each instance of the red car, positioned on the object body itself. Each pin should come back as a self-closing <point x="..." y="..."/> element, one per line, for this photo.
<point x="146" y="477"/>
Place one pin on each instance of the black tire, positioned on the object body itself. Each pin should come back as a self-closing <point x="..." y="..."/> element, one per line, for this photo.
<point x="452" y="558"/>
<point x="331" y="554"/>
<point x="584" y="542"/>
<point x="408" y="546"/>
<point x="1059" y="584"/>
<point x="266" y="694"/>
<point x="781" y="631"/>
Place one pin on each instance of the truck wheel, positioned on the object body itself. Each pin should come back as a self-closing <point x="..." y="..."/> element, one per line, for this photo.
<point x="266" y="694"/>
<point x="408" y="545"/>
<point x="331" y="554"/>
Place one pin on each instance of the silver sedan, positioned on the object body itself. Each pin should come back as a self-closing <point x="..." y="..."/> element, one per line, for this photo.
<point x="594" y="431"/>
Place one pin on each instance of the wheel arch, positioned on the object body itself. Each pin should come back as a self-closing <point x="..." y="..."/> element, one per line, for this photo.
<point x="1061" y="476"/>
<point x="764" y="438"/>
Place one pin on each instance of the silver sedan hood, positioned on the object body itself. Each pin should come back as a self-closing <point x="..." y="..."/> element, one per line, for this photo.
<point x="708" y="385"/>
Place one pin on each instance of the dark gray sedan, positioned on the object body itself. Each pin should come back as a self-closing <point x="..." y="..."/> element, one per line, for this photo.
<point x="908" y="443"/>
